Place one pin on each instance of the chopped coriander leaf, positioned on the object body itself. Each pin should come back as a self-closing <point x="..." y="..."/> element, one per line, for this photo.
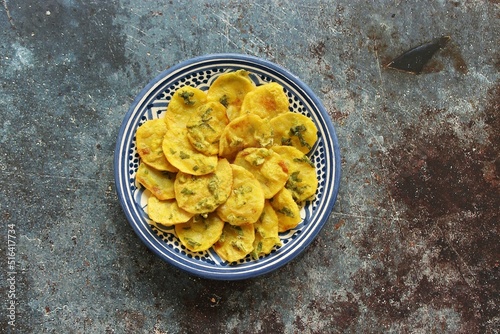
<point x="205" y="117"/>
<point x="184" y="155"/>
<point x="242" y="190"/>
<point x="286" y="211"/>
<point x="223" y="101"/>
<point x="304" y="159"/>
<point x="240" y="231"/>
<point x="238" y="245"/>
<point x="186" y="96"/>
<point x="192" y="243"/>
<point x="295" y="176"/>
<point x="213" y="185"/>
<point x="257" y="251"/>
<point x="297" y="131"/>
<point x="186" y="191"/>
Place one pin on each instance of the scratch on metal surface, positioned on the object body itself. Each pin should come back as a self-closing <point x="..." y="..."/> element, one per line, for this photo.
<point x="471" y="281"/>
<point x="350" y="215"/>
<point x="7" y="11"/>
<point x="379" y="71"/>
<point x="377" y="140"/>
<point x="136" y="40"/>
<point x="266" y="10"/>
<point x="138" y="29"/>
<point x="228" y="26"/>
<point x="31" y="240"/>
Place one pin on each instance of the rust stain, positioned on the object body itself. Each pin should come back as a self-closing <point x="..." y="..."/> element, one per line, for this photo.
<point x="339" y="224"/>
<point x="445" y="252"/>
<point x="134" y="320"/>
<point x="338" y="313"/>
<point x="452" y="51"/>
<point x="317" y="50"/>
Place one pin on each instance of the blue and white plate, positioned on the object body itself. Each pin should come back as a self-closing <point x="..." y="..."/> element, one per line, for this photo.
<point x="200" y="72"/>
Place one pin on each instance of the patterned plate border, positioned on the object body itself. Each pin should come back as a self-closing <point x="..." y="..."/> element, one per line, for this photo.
<point x="151" y="103"/>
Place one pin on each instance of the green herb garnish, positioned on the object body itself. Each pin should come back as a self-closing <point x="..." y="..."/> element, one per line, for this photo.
<point x="286" y="211"/>
<point x="304" y="159"/>
<point x="186" y="96"/>
<point x="298" y="132"/>
<point x="186" y="191"/>
<point x="223" y="101"/>
<point x="184" y="155"/>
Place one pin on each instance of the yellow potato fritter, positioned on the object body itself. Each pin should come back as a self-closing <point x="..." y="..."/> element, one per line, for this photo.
<point x="183" y="104"/>
<point x="245" y="131"/>
<point x="161" y="184"/>
<point x="297" y="130"/>
<point x="286" y="209"/>
<point x="166" y="213"/>
<point x="267" y="101"/>
<point x="149" y="139"/>
<point x="267" y="166"/>
<point x="230" y="90"/>
<point x="302" y="181"/>
<point x="181" y="154"/>
<point x="205" y="127"/>
<point x="199" y="233"/>
<point x="236" y="242"/>
<point x="204" y="193"/>
<point x="246" y="201"/>
<point x="266" y="232"/>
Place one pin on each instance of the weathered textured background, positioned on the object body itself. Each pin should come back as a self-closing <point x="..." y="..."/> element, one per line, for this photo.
<point x="412" y="245"/>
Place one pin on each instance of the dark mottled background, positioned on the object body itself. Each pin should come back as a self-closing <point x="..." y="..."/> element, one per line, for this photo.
<point x="412" y="245"/>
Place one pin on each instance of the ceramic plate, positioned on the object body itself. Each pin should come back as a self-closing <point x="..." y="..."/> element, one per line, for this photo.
<point x="200" y="72"/>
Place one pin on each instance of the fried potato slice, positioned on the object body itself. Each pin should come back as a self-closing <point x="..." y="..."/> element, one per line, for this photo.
<point x="160" y="183"/>
<point x="266" y="232"/>
<point x="246" y="201"/>
<point x="205" y="127"/>
<point x="286" y="209"/>
<point x="184" y="103"/>
<point x="166" y="213"/>
<point x="267" y="166"/>
<point x="204" y="193"/>
<point x="199" y="233"/>
<point x="230" y="90"/>
<point x="236" y="242"/>
<point x="292" y="129"/>
<point x="245" y="131"/>
<point x="302" y="181"/>
<point x="267" y="101"/>
<point x="181" y="154"/>
<point x="149" y="139"/>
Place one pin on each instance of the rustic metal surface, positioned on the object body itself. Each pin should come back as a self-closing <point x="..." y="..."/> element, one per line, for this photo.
<point x="412" y="245"/>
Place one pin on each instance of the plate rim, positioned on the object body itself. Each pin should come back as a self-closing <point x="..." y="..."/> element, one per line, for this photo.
<point x="249" y="59"/>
